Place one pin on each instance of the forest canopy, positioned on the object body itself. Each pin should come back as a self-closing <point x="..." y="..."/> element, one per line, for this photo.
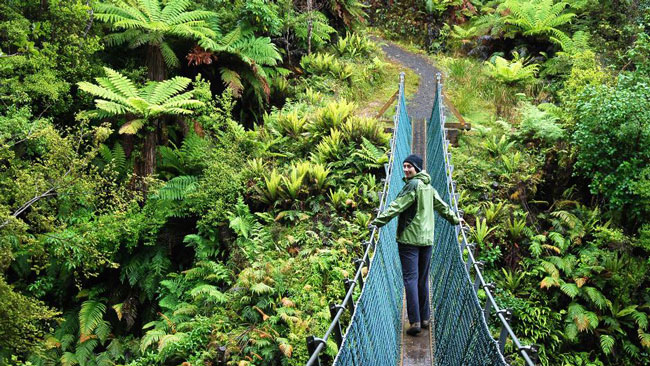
<point x="182" y="180"/>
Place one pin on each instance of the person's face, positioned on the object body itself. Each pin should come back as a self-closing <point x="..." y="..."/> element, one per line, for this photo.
<point x="409" y="170"/>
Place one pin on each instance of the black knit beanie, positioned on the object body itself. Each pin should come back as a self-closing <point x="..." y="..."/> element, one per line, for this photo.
<point x="414" y="160"/>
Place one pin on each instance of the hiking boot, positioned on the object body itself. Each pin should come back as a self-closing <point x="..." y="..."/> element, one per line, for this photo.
<point x="414" y="329"/>
<point x="425" y="324"/>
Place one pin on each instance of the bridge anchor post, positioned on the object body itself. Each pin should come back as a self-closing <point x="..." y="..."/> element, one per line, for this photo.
<point x="477" y="278"/>
<point x="312" y="344"/>
<point x="507" y="315"/>
<point x="338" y="333"/>
<point x="361" y="263"/>
<point x="348" y="284"/>
<point x="488" y="304"/>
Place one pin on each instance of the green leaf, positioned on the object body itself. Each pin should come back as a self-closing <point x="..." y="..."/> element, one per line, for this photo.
<point x="261" y="288"/>
<point x="90" y="316"/>
<point x="132" y="127"/>
<point x="606" y="343"/>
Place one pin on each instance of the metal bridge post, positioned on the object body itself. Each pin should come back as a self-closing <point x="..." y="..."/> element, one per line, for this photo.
<point x="477" y="279"/>
<point x="507" y="314"/>
<point x="361" y="264"/>
<point x="312" y="343"/>
<point x="348" y="284"/>
<point x="338" y="333"/>
<point x="468" y="263"/>
<point x="532" y="352"/>
<point x="488" y="304"/>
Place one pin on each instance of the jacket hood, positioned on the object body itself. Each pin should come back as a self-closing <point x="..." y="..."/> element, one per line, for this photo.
<point x="422" y="175"/>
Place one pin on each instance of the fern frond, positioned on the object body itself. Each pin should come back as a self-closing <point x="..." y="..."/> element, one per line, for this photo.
<point x="173" y="10"/>
<point x="210" y="293"/>
<point x="120" y="82"/>
<point x="607" y="343"/>
<point x="151" y="8"/>
<point x="164" y="90"/>
<point x="232" y="80"/>
<point x="132" y="127"/>
<point x="177" y="188"/>
<point x="169" y="57"/>
<point x="570" y="289"/>
<point x="151" y="337"/>
<point x="90" y="316"/>
<point x="170" y="339"/>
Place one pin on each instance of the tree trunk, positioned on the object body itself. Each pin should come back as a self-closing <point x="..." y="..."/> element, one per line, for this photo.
<point x="155" y="63"/>
<point x="146" y="163"/>
<point x="310" y="26"/>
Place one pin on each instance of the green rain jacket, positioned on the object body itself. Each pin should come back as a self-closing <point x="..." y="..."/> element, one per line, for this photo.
<point x="415" y="205"/>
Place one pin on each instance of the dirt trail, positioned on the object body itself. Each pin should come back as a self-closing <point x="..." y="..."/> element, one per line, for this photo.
<point x="420" y="104"/>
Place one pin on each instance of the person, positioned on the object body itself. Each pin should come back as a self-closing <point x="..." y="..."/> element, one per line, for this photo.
<point x="415" y="205"/>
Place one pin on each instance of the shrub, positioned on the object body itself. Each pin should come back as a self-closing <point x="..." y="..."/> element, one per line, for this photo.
<point x="612" y="142"/>
<point x="539" y="124"/>
<point x="511" y="72"/>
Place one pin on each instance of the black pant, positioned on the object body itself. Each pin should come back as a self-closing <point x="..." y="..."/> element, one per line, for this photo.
<point x="416" y="261"/>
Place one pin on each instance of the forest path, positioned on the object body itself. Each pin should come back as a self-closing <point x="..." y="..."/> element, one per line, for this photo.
<point x="421" y="103"/>
<point x="416" y="351"/>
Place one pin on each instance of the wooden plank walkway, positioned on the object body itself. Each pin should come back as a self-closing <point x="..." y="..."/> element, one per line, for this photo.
<point x="416" y="351"/>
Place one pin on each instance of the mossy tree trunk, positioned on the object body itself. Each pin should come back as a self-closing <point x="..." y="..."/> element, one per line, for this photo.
<point x="156" y="72"/>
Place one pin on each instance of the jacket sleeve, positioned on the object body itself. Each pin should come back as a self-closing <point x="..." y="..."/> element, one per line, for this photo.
<point x="403" y="201"/>
<point x="443" y="209"/>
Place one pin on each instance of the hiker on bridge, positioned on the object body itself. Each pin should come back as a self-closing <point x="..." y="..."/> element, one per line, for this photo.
<point x="415" y="229"/>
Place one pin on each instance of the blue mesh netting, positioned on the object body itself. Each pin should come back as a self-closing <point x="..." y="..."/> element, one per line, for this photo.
<point x="460" y="333"/>
<point x="374" y="334"/>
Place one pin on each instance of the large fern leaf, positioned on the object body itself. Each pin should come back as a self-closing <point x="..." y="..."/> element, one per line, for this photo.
<point x="90" y="316"/>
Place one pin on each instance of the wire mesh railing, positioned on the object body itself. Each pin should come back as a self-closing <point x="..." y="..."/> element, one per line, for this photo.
<point x="460" y="332"/>
<point x="373" y="334"/>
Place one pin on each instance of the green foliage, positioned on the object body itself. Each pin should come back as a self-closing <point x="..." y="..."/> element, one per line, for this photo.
<point x="327" y="64"/>
<point x="439" y="6"/>
<point x="498" y="148"/>
<point x="44" y="50"/>
<point x="354" y="45"/>
<point x="536" y="18"/>
<point x="538" y="123"/>
<point x="511" y="72"/>
<point x="146" y="22"/>
<point x="189" y="159"/>
<point x="24" y="322"/>
<point x="120" y="96"/>
<point x="615" y="117"/>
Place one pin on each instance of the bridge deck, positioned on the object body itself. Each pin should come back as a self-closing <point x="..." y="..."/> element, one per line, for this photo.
<point x="416" y="351"/>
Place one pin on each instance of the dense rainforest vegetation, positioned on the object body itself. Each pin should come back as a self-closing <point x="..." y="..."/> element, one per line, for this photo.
<point x="181" y="179"/>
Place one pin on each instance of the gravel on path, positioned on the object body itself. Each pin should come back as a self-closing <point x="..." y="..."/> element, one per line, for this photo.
<point x="420" y="104"/>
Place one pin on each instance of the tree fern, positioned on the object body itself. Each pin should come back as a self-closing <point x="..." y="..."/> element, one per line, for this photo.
<point x="91" y="316"/>
<point x="536" y="17"/>
<point x="119" y="96"/>
<point x="146" y="22"/>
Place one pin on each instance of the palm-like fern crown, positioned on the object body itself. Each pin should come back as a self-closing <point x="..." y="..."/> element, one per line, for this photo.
<point x="144" y="22"/>
<point x="118" y="95"/>
<point x="536" y="17"/>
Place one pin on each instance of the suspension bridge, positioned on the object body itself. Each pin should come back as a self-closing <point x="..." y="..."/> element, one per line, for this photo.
<point x="373" y="304"/>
